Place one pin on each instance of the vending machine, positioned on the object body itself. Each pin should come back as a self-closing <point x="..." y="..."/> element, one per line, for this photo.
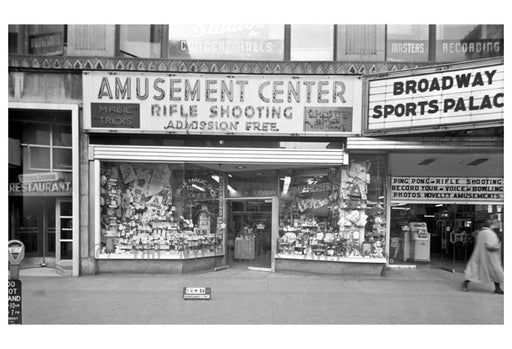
<point x="420" y="239"/>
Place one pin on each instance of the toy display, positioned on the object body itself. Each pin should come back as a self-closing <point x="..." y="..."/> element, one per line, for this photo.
<point x="142" y="219"/>
<point x="338" y="221"/>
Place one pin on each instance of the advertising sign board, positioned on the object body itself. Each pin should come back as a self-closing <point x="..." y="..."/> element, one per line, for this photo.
<point x="447" y="189"/>
<point x="14" y="297"/>
<point x="221" y="104"/>
<point x="447" y="98"/>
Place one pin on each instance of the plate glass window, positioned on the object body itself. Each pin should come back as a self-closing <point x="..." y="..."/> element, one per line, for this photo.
<point x="144" y="41"/>
<point x="360" y="42"/>
<point x="407" y="43"/>
<point x="468" y="42"/>
<point x="226" y="41"/>
<point x="310" y="42"/>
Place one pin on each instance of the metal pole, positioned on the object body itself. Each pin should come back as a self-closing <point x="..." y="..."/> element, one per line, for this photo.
<point x="45" y="234"/>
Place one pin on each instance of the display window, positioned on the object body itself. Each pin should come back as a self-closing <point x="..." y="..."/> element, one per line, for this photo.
<point x="182" y="210"/>
<point x="440" y="234"/>
<point x="333" y="213"/>
<point x="160" y="211"/>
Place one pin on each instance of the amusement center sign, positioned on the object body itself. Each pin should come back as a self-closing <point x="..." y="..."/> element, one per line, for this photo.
<point x="448" y="98"/>
<point x="221" y="104"/>
<point x="447" y="189"/>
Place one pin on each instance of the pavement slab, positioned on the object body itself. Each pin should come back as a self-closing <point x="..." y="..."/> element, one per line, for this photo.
<point x="400" y="296"/>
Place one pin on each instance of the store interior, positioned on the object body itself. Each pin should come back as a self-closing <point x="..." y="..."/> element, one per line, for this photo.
<point x="437" y="235"/>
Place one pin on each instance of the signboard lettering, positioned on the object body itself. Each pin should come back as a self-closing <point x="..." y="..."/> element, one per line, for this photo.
<point x="115" y="115"/>
<point x="456" y="50"/>
<point x="204" y="293"/>
<point x="14" y="297"/>
<point x="447" y="189"/>
<point x="40" y="187"/>
<point x="46" y="44"/>
<point x="452" y="97"/>
<point x="202" y="104"/>
<point x="39" y="177"/>
<point x="407" y="50"/>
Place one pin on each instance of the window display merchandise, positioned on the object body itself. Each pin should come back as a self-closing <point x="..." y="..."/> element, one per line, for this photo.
<point x="329" y="215"/>
<point x="152" y="211"/>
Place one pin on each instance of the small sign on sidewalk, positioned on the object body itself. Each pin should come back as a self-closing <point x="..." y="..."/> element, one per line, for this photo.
<point x="203" y="293"/>
<point x="14" y="294"/>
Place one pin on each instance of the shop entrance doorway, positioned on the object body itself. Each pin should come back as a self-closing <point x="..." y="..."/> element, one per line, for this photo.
<point x="437" y="235"/>
<point x="251" y="230"/>
<point x="32" y="221"/>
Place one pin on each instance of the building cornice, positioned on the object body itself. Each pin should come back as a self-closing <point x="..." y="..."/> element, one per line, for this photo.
<point x="68" y="63"/>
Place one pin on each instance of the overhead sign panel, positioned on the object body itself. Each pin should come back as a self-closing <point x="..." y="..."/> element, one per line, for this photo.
<point x="461" y="190"/>
<point x="222" y="104"/>
<point x="451" y="98"/>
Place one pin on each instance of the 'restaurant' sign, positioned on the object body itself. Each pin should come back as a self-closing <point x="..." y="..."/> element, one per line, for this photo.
<point x="221" y="104"/>
<point x="40" y="187"/>
<point x="447" y="189"/>
<point x="447" y="98"/>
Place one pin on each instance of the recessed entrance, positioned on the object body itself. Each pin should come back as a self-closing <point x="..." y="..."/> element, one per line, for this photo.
<point x="249" y="233"/>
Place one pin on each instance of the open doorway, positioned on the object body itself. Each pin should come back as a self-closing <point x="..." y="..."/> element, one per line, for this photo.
<point x="447" y="240"/>
<point x="249" y="233"/>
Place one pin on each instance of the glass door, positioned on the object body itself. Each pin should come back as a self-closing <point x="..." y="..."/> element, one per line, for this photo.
<point x="32" y="221"/>
<point x="64" y="232"/>
<point x="250" y="233"/>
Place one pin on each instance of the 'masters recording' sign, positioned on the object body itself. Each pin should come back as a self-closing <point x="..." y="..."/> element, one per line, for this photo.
<point x="221" y="104"/>
<point x="445" y="98"/>
<point x="447" y="189"/>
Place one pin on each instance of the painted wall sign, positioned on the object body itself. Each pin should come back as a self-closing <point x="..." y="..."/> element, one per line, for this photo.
<point x="216" y="104"/>
<point x="447" y="189"/>
<point x="451" y="97"/>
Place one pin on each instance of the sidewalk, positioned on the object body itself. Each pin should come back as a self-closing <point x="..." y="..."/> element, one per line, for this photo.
<point x="423" y="295"/>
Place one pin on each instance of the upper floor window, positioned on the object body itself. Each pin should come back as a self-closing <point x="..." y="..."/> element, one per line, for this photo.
<point x="407" y="43"/>
<point x="310" y="42"/>
<point x="360" y="42"/>
<point x="226" y="41"/>
<point x="45" y="145"/>
<point x="468" y="42"/>
<point x="263" y="42"/>
<point x="41" y="40"/>
<point x="144" y="41"/>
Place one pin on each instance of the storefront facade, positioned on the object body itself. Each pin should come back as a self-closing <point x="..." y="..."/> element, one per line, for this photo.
<point x="173" y="164"/>
<point x="257" y="176"/>
<point x="447" y="178"/>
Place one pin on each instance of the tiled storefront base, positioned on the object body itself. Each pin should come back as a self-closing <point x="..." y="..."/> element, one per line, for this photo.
<point x="157" y="266"/>
<point x="345" y="268"/>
